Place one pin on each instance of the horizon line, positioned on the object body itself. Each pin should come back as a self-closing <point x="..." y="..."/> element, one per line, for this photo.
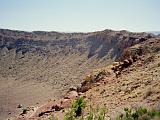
<point x="58" y="31"/>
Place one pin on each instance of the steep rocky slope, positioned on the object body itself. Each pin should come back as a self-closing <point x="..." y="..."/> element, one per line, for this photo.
<point x="137" y="85"/>
<point x="38" y="66"/>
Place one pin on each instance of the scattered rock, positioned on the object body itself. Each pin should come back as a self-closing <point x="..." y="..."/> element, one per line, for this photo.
<point x="46" y="112"/>
<point x="72" y="88"/>
<point x="25" y="110"/>
<point x="117" y="69"/>
<point x="92" y="80"/>
<point x="20" y="106"/>
<point x="98" y="84"/>
<point x="71" y="94"/>
<point x="83" y="88"/>
<point x="148" y="93"/>
<point x="158" y="106"/>
<point x="81" y="94"/>
<point x="103" y="91"/>
<point x="134" y="87"/>
<point x="57" y="107"/>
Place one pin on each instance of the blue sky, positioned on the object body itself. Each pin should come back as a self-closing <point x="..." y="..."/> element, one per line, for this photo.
<point x="80" y="15"/>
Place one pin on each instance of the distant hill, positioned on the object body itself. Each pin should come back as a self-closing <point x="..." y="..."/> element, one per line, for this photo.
<point x="154" y="32"/>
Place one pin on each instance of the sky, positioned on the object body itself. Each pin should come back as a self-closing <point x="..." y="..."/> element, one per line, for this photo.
<point x="80" y="15"/>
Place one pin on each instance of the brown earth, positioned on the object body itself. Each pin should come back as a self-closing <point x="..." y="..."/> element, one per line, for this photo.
<point x="36" y="67"/>
<point x="138" y="84"/>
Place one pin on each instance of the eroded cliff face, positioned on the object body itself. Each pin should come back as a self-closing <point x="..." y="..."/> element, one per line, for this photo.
<point x="37" y="66"/>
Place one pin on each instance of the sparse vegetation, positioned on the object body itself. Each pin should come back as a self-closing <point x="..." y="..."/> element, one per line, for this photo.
<point x="139" y="114"/>
<point x="76" y="110"/>
<point x="78" y="106"/>
<point x="91" y="115"/>
<point x="75" y="113"/>
<point x="53" y="118"/>
<point x="70" y="115"/>
<point x="99" y="114"/>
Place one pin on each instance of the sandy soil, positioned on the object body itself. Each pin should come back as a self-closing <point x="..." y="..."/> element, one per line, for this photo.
<point x="13" y="93"/>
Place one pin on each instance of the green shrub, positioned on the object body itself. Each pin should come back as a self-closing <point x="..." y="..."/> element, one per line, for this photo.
<point x="76" y="110"/>
<point x="75" y="113"/>
<point x="139" y="114"/>
<point x="102" y="113"/>
<point x="78" y="106"/>
<point x="90" y="116"/>
<point x="70" y="115"/>
<point x="99" y="114"/>
<point x="53" y="118"/>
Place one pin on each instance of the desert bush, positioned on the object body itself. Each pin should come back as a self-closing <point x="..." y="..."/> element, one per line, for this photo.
<point x="70" y="115"/>
<point x="99" y="114"/>
<point x="78" y="106"/>
<point x="53" y="118"/>
<point x="76" y="109"/>
<point x="75" y="113"/>
<point x="102" y="113"/>
<point x="90" y="116"/>
<point x="139" y="114"/>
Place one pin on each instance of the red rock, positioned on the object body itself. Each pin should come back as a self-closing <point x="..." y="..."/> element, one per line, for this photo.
<point x="71" y="95"/>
